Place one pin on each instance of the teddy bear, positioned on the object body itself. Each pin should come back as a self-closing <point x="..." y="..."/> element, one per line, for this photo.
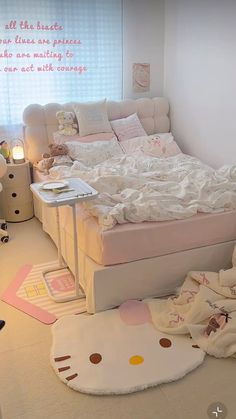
<point x="57" y="156"/>
<point x="67" y="126"/>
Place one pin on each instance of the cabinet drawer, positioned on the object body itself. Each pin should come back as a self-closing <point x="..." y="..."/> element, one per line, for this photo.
<point x="16" y="176"/>
<point x="17" y="196"/>
<point x="19" y="212"/>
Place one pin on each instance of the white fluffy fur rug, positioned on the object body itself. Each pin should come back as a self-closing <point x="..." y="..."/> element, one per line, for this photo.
<point x="119" y="351"/>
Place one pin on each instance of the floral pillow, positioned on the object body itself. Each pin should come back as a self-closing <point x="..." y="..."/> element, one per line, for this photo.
<point x="127" y="128"/>
<point x="94" y="153"/>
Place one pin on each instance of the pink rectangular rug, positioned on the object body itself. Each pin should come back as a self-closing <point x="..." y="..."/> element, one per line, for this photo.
<point x="28" y="293"/>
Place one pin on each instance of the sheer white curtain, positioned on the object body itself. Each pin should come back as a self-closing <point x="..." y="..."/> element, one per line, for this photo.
<point x="58" y="51"/>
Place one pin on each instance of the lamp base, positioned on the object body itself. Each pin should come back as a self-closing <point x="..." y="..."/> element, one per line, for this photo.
<point x="18" y="161"/>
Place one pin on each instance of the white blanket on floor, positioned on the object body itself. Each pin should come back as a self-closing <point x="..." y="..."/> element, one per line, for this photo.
<point x="205" y="309"/>
<point x="136" y="188"/>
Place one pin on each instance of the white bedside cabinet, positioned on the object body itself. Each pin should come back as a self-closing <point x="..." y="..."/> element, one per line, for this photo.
<point x="16" y="197"/>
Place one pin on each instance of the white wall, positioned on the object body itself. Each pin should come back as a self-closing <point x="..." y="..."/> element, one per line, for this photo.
<point x="200" y="76"/>
<point x="143" y="42"/>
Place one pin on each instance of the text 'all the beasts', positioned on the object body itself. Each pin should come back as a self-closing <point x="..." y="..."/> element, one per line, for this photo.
<point x="23" y="49"/>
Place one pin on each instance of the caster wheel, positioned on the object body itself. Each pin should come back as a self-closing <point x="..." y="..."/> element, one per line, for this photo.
<point x="4" y="226"/>
<point x="4" y="239"/>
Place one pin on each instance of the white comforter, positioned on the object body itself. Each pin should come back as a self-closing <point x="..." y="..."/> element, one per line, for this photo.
<point x="136" y="188"/>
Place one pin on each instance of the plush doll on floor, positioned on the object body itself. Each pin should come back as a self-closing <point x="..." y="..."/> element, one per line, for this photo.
<point x="4" y="237"/>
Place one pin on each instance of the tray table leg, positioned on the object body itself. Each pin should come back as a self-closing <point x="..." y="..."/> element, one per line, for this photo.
<point x="79" y="293"/>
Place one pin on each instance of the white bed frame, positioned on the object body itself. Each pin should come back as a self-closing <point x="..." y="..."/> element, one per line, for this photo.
<point x="109" y="286"/>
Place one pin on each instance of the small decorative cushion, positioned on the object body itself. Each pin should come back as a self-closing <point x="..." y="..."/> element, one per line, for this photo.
<point x="161" y="147"/>
<point x="58" y="138"/>
<point x="66" y="121"/>
<point x="94" y="153"/>
<point x="92" y="118"/>
<point x="127" y="128"/>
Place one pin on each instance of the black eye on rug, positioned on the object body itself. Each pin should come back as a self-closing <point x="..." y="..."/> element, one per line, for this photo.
<point x="2" y="324"/>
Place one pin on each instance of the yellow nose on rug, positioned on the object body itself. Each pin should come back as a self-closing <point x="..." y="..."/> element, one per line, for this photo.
<point x="119" y="351"/>
<point x="136" y="360"/>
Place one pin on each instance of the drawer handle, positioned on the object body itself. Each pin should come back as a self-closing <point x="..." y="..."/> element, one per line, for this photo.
<point x="17" y="212"/>
<point x="14" y="195"/>
<point x="11" y="176"/>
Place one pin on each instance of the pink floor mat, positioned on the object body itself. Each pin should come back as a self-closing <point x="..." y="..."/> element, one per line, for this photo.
<point x="28" y="293"/>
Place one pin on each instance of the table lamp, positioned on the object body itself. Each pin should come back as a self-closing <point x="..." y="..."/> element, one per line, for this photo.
<point x="17" y="151"/>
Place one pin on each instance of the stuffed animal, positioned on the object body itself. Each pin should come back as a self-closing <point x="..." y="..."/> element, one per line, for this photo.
<point x="58" y="156"/>
<point x="67" y="125"/>
<point x="5" y="150"/>
<point x="44" y="165"/>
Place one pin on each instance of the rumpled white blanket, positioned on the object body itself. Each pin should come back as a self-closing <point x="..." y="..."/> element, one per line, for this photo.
<point x="136" y="188"/>
<point x="203" y="308"/>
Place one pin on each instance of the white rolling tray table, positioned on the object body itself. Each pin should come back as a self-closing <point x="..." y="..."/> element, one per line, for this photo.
<point x="78" y="191"/>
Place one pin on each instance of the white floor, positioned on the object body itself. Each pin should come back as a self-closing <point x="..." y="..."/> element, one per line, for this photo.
<point x="29" y="388"/>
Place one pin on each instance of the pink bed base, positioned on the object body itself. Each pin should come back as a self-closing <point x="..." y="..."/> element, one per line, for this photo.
<point x="130" y="242"/>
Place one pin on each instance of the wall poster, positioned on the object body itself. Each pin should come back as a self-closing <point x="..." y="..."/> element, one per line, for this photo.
<point x="141" y="77"/>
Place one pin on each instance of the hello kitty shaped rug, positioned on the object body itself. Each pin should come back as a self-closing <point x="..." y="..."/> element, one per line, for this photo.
<point x="119" y="351"/>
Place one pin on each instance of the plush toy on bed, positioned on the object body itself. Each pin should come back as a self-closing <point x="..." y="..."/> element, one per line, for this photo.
<point x="44" y="165"/>
<point x="67" y="126"/>
<point x="58" y="156"/>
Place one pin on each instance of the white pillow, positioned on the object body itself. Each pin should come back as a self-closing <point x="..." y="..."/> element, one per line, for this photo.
<point x="59" y="138"/>
<point x="92" y="118"/>
<point x="127" y="128"/>
<point x="94" y="153"/>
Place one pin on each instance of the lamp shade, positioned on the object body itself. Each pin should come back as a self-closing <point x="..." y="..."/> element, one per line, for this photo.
<point x="17" y="151"/>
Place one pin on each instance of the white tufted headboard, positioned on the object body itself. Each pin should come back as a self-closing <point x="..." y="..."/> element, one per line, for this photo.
<point x="40" y="121"/>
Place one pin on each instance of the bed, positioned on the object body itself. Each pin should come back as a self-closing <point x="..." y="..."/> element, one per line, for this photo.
<point x="130" y="260"/>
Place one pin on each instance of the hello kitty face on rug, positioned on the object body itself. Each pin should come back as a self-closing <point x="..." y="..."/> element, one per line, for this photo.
<point x="119" y="351"/>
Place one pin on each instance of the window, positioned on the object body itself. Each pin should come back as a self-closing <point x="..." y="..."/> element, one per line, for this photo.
<point x="58" y="51"/>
